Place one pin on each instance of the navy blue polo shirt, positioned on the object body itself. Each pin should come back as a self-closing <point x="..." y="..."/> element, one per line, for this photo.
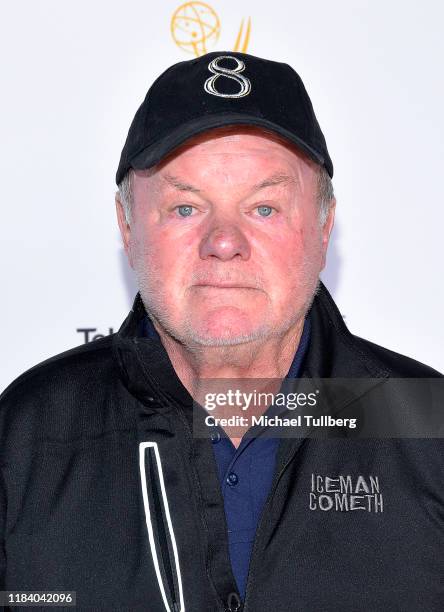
<point x="245" y="475"/>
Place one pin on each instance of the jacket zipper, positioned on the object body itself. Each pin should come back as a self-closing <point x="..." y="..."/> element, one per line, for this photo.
<point x="234" y="602"/>
<point x="261" y="526"/>
<point x="160" y="529"/>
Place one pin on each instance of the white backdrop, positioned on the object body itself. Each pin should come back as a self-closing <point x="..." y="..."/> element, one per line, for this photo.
<point x="73" y="76"/>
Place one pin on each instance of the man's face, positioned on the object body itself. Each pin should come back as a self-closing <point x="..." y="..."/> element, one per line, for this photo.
<point x="225" y="238"/>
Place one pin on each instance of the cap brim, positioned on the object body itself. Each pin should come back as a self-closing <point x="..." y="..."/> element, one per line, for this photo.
<point x="157" y="151"/>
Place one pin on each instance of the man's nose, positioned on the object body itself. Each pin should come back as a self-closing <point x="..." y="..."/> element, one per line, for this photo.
<point x="225" y="241"/>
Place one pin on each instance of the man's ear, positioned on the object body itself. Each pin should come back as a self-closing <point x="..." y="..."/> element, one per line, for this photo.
<point x="326" y="230"/>
<point x="125" y="229"/>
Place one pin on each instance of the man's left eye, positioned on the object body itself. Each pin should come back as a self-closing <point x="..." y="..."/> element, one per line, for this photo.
<point x="265" y="211"/>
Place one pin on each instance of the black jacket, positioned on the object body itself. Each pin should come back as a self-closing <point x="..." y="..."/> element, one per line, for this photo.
<point x="105" y="492"/>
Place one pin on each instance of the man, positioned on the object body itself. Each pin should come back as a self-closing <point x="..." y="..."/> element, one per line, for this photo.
<point x="225" y="207"/>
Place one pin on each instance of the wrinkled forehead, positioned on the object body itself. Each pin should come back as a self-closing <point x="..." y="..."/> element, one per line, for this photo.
<point x="251" y="150"/>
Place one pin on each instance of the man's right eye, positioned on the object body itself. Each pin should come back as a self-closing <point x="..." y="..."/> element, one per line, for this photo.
<point x="184" y="210"/>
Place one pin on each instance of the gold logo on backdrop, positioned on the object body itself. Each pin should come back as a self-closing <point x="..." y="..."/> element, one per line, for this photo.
<point x="195" y="27"/>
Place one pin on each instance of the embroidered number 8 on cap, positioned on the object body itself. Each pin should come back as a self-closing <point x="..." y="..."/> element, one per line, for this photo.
<point x="233" y="74"/>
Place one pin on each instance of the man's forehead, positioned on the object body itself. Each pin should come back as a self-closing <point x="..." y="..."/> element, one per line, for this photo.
<point x="258" y="150"/>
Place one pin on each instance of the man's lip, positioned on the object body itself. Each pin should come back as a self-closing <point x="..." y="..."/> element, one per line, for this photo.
<point x="225" y="285"/>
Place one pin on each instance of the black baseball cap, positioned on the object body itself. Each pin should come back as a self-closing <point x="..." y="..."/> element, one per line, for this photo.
<point x="218" y="89"/>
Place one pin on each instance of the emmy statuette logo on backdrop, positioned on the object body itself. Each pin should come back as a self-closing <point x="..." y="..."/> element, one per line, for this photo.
<point x="195" y="28"/>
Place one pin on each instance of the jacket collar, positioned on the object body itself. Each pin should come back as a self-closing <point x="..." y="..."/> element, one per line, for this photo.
<point x="334" y="352"/>
<point x="147" y="372"/>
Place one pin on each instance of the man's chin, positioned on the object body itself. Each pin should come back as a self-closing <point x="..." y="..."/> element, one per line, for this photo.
<point x="223" y="326"/>
<point x="201" y="338"/>
<point x="225" y="333"/>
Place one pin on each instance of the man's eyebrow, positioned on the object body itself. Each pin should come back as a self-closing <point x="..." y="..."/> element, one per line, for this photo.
<point x="275" y="179"/>
<point x="179" y="184"/>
